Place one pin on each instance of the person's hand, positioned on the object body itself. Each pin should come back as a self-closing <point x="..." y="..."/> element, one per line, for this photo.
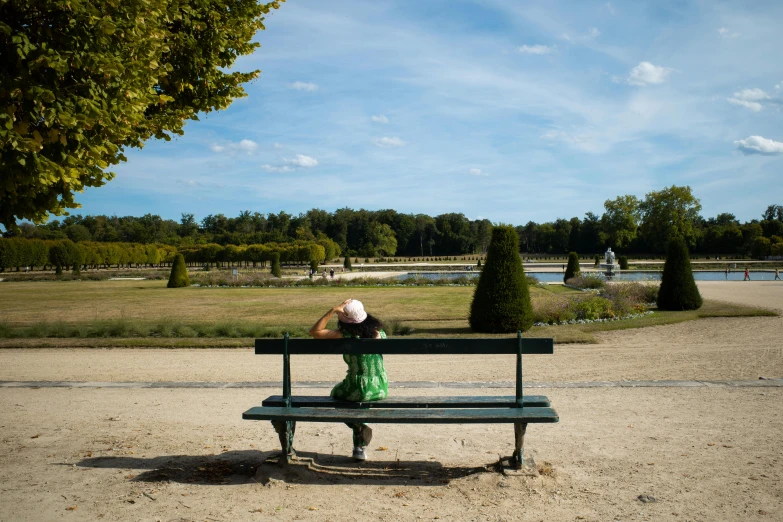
<point x="341" y="307"/>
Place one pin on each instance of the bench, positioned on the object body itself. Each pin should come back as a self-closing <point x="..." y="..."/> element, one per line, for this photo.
<point x="520" y="410"/>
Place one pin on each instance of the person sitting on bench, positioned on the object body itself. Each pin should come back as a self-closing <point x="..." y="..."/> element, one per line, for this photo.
<point x="366" y="378"/>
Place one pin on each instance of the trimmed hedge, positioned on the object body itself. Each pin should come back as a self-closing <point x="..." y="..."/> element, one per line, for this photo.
<point x="179" y="273"/>
<point x="623" y="262"/>
<point x="501" y="302"/>
<point x="347" y="263"/>
<point x="678" y="289"/>
<point x="572" y="270"/>
<point x="276" y="265"/>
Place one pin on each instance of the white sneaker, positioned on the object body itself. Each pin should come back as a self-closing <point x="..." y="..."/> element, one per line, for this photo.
<point x="359" y="454"/>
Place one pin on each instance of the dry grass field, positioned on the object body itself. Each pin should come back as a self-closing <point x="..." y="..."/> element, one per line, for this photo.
<point x="147" y="314"/>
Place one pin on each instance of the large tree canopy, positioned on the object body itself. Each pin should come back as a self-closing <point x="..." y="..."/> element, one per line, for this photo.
<point x="671" y="212"/>
<point x="80" y="81"/>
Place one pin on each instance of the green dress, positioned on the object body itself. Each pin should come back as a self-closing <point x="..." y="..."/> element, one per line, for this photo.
<point x="366" y="378"/>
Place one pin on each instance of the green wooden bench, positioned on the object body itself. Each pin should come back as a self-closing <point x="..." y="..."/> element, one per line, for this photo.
<point x="285" y="410"/>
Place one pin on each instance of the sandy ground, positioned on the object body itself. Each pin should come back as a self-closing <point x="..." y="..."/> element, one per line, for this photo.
<point x="709" y="453"/>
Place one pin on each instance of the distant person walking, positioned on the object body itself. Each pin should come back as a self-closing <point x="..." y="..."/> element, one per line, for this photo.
<point x="777" y="274"/>
<point x="331" y="273"/>
<point x="747" y="275"/>
<point x="727" y="273"/>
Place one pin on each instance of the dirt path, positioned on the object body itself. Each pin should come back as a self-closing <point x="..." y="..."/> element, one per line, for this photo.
<point x="702" y="454"/>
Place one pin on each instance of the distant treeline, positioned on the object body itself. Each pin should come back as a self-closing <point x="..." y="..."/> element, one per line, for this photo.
<point x="628" y="225"/>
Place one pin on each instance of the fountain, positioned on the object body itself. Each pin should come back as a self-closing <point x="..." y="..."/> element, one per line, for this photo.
<point x="609" y="266"/>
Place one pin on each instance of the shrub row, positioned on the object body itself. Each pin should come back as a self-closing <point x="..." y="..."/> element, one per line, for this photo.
<point x="19" y="252"/>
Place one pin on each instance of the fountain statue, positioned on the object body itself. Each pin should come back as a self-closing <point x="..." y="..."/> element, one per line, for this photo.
<point x="608" y="266"/>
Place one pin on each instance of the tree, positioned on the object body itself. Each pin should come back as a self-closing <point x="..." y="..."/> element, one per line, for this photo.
<point x="64" y="254"/>
<point x="668" y="213"/>
<point x="7" y="254"/>
<point x="760" y="247"/>
<point x="82" y="81"/>
<point x="179" y="273"/>
<point x="621" y="220"/>
<point x="773" y="212"/>
<point x="572" y="270"/>
<point x="77" y="254"/>
<point x="678" y="289"/>
<point x="501" y="302"/>
<point x="347" y="263"/>
<point x="383" y="240"/>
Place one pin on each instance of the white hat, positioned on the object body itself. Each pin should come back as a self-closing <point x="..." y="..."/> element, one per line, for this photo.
<point x="353" y="313"/>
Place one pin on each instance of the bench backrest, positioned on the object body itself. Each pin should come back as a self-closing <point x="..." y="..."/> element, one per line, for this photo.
<point x="499" y="345"/>
<point x="494" y="345"/>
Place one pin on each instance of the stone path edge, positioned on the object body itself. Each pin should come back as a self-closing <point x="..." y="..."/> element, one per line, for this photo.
<point x="759" y="383"/>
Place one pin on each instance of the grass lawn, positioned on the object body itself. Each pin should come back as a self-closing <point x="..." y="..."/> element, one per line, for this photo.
<point x="146" y="313"/>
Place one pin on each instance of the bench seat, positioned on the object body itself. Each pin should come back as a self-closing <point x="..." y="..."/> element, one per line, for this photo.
<point x="486" y="401"/>
<point x="403" y="415"/>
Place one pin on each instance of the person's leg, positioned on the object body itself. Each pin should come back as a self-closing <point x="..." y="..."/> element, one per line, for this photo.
<point x="362" y="435"/>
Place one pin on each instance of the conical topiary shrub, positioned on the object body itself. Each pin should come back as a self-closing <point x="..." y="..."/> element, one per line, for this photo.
<point x="572" y="270"/>
<point x="276" y="265"/>
<point x="347" y="263"/>
<point x="179" y="273"/>
<point x="623" y="262"/>
<point x="678" y="289"/>
<point x="501" y="302"/>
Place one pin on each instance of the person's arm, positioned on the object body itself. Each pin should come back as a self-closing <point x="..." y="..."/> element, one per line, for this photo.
<point x="319" y="330"/>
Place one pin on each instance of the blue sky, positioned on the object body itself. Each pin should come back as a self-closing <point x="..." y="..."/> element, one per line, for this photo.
<point x="505" y="110"/>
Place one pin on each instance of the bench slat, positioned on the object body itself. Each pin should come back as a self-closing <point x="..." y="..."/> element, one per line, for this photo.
<point x="500" y="345"/>
<point x="487" y="401"/>
<point x="404" y="416"/>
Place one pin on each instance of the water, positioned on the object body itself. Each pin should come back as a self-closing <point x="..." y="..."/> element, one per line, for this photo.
<point x="551" y="277"/>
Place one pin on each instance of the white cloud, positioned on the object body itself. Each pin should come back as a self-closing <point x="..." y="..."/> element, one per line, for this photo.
<point x="387" y="142"/>
<point x="380" y="118"/>
<point x="298" y="161"/>
<point x="303" y="86"/>
<point x="610" y="8"/>
<point x="279" y="146"/>
<point x="277" y="168"/>
<point x="753" y="99"/>
<point x="303" y="161"/>
<point x="477" y="172"/>
<point x="248" y="146"/>
<point x="593" y="33"/>
<point x="536" y="49"/>
<point x="759" y="145"/>
<point x="725" y="33"/>
<point x="778" y="86"/>
<point x="754" y="106"/>
<point x="751" y="95"/>
<point x="189" y="182"/>
<point x="646" y="73"/>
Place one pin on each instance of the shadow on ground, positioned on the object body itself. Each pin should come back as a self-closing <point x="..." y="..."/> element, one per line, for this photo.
<point x="241" y="467"/>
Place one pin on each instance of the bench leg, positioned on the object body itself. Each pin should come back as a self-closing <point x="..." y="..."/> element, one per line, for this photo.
<point x="285" y="431"/>
<point x="518" y="457"/>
